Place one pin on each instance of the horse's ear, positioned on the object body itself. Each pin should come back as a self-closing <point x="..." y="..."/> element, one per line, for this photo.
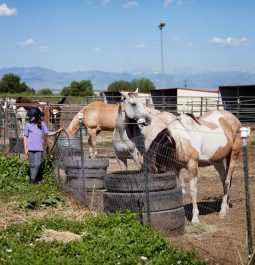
<point x="124" y="95"/>
<point x="137" y="90"/>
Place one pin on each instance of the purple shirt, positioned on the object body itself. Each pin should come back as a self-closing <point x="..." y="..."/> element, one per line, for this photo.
<point x="35" y="136"/>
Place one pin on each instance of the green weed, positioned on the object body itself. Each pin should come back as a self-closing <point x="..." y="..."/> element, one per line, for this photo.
<point x="14" y="177"/>
<point x="112" y="239"/>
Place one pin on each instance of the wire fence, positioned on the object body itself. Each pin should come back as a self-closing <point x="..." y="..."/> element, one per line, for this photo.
<point x="160" y="198"/>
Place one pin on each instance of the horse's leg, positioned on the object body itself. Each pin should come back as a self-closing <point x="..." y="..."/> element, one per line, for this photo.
<point x="230" y="166"/>
<point x="219" y="166"/>
<point x="182" y="183"/>
<point x="193" y="173"/>
<point x="137" y="158"/>
<point x="90" y="143"/>
<point x="122" y="161"/>
<point x="94" y="142"/>
<point x="90" y="146"/>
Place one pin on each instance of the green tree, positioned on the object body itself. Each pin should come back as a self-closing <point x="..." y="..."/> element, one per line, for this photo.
<point x="45" y="92"/>
<point x="143" y="84"/>
<point x="10" y="83"/>
<point x="85" y="88"/>
<point x="66" y="91"/>
<point x="119" y="85"/>
<point x="82" y="88"/>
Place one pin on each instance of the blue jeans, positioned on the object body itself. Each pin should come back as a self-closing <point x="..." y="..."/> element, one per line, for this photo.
<point x="35" y="159"/>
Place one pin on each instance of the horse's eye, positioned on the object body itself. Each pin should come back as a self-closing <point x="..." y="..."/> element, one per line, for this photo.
<point x="133" y="104"/>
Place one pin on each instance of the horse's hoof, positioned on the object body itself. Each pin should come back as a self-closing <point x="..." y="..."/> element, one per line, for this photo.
<point x="222" y="215"/>
<point x="223" y="211"/>
<point x="195" y="220"/>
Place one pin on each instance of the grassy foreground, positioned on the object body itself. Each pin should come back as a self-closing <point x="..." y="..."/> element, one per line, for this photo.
<point x="102" y="239"/>
<point x="112" y="239"/>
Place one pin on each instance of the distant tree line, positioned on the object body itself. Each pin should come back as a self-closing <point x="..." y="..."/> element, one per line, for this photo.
<point x="11" y="83"/>
<point x="142" y="85"/>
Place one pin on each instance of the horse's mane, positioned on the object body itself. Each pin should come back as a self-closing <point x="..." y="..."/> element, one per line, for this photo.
<point x="73" y="126"/>
<point x="62" y="100"/>
<point x="193" y="117"/>
<point x="161" y="149"/>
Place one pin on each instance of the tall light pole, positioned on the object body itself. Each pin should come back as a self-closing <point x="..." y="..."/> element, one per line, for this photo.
<point x="161" y="26"/>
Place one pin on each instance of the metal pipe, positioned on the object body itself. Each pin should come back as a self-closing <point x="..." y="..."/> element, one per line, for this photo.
<point x="245" y="132"/>
<point x="80" y="116"/>
<point x="141" y="123"/>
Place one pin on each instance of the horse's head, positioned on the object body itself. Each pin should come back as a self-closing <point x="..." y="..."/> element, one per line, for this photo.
<point x="132" y="105"/>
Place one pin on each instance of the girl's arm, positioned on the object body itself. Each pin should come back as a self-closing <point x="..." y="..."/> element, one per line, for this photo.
<point x="54" y="132"/>
<point x="25" y="145"/>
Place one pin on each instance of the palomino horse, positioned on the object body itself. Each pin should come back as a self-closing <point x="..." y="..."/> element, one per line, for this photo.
<point x="97" y="117"/>
<point x="201" y="142"/>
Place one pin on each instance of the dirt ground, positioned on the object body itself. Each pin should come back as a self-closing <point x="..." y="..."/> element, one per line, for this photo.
<point x="219" y="241"/>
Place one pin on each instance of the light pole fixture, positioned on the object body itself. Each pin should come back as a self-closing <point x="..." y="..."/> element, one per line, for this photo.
<point x="161" y="26"/>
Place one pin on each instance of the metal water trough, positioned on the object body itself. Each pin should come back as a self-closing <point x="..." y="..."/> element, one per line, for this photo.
<point x="90" y="177"/>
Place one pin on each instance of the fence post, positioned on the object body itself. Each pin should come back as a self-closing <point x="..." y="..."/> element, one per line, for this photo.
<point x="201" y="106"/>
<point x="141" y="123"/>
<point x="238" y="108"/>
<point x="245" y="132"/>
<point x="55" y="112"/>
<point x="46" y="114"/>
<point x="16" y="128"/>
<point x="80" y="116"/>
<point x="5" y="123"/>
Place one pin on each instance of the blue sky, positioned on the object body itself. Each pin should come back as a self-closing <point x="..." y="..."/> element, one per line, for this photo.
<point x="121" y="35"/>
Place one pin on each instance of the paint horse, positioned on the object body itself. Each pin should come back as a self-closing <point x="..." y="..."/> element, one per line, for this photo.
<point x="209" y="140"/>
<point x="97" y="117"/>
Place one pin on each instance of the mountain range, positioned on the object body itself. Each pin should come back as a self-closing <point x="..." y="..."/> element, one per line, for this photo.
<point x="38" y="78"/>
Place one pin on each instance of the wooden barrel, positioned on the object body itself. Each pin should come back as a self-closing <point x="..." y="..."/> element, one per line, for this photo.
<point x="67" y="148"/>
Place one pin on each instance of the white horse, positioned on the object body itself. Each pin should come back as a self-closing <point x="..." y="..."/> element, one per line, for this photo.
<point x="21" y="120"/>
<point x="194" y="143"/>
<point x="127" y="134"/>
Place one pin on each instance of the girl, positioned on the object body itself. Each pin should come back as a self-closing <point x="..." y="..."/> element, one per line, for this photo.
<point x="34" y="133"/>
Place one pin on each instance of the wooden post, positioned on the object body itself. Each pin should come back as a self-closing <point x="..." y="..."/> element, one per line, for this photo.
<point x="47" y="115"/>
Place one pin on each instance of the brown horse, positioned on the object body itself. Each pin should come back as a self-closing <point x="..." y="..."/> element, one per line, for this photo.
<point x="191" y="143"/>
<point x="97" y="117"/>
<point x="27" y="103"/>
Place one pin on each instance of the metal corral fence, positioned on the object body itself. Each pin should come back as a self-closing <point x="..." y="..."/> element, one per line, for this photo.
<point x="156" y="198"/>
